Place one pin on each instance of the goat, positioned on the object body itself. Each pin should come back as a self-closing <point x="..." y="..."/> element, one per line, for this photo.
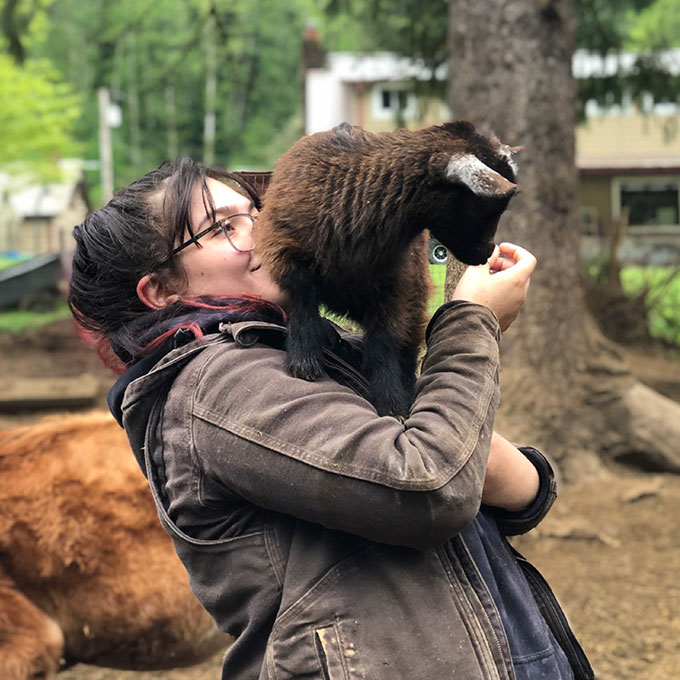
<point x="87" y="573"/>
<point x="343" y="224"/>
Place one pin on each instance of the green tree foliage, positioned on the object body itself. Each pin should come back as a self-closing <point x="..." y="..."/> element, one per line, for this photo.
<point x="415" y="28"/>
<point x="656" y="27"/>
<point x="37" y="108"/>
<point x="22" y="23"/>
<point x="37" y="114"/>
<point x="154" y="57"/>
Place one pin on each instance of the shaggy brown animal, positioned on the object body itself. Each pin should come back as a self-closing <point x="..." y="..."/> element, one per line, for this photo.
<point x="343" y="225"/>
<point x="87" y="574"/>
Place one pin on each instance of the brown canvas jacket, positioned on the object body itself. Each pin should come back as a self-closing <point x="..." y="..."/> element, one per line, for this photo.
<point x="324" y="538"/>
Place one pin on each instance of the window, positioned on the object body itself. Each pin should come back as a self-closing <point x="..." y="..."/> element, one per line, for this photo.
<point x="589" y="220"/>
<point x="652" y="203"/>
<point x="391" y="101"/>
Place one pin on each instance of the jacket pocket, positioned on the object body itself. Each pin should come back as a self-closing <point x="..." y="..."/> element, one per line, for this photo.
<point x="327" y="643"/>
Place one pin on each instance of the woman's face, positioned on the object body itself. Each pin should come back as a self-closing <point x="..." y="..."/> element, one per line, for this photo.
<point x="215" y="267"/>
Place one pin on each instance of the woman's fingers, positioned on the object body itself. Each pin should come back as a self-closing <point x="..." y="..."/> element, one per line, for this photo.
<point x="514" y="257"/>
<point x="492" y="262"/>
<point x="517" y="256"/>
<point x="501" y="263"/>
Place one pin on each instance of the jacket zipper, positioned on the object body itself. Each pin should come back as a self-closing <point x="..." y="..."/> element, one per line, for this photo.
<point x="501" y="667"/>
<point x="354" y="379"/>
<point x="555" y="618"/>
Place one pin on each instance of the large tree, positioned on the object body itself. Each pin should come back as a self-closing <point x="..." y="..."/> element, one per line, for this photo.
<point x="564" y="385"/>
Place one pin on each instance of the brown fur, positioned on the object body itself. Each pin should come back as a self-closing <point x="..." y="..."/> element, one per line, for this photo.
<point x="343" y="224"/>
<point x="83" y="557"/>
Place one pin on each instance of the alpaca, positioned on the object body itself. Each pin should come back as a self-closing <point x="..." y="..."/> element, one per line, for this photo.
<point x="344" y="223"/>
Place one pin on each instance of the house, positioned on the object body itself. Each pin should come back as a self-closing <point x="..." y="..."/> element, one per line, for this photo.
<point x="628" y="156"/>
<point x="37" y="218"/>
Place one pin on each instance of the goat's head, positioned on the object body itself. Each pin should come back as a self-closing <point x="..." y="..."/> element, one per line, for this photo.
<point x="474" y="179"/>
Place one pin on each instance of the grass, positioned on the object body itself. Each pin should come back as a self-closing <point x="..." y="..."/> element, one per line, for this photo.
<point x="661" y="287"/>
<point x="16" y="321"/>
<point x="438" y="273"/>
<point x="6" y="262"/>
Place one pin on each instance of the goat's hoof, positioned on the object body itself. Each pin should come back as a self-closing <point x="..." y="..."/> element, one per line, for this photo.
<point x="307" y="369"/>
<point x="397" y="408"/>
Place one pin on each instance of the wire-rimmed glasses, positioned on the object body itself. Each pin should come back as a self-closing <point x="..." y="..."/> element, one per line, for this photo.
<point x="237" y="228"/>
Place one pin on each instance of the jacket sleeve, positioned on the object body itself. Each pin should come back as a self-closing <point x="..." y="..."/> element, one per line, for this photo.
<point x="319" y="452"/>
<point x="515" y="523"/>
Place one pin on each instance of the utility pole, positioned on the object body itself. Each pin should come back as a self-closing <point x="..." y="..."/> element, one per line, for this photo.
<point x="210" y="118"/>
<point x="105" y="151"/>
<point x="133" y="106"/>
<point x="171" y="118"/>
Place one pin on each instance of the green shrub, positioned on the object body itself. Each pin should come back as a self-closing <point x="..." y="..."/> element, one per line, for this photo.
<point x="660" y="287"/>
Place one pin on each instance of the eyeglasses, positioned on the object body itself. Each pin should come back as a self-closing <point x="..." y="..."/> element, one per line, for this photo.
<point x="237" y="228"/>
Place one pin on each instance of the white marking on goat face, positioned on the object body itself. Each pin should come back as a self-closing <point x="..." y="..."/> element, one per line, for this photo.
<point x="467" y="169"/>
<point x="506" y="152"/>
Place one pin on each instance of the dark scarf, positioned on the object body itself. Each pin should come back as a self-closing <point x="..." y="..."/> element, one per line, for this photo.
<point x="199" y="316"/>
<point x="142" y="343"/>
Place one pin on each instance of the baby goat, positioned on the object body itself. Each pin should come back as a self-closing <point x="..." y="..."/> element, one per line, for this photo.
<point x="343" y="225"/>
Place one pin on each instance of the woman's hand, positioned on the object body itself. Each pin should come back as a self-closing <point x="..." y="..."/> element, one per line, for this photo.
<point x="511" y="480"/>
<point x="500" y="284"/>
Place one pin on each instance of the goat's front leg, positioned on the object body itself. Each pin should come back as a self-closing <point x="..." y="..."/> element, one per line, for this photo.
<point x="304" y="347"/>
<point x="386" y="366"/>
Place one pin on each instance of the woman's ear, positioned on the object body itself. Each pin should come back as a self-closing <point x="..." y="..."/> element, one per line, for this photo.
<point x="153" y="293"/>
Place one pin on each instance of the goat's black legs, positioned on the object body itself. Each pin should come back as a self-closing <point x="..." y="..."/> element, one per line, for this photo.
<point x="305" y="327"/>
<point x="391" y="370"/>
<point x="389" y="363"/>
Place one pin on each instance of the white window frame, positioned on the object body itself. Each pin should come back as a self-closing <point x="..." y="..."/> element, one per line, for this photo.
<point x="409" y="112"/>
<point x="619" y="182"/>
<point x="589" y="216"/>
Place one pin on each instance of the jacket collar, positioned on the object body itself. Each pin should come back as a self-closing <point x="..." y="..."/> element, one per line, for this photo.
<point x="244" y="333"/>
<point x="137" y="391"/>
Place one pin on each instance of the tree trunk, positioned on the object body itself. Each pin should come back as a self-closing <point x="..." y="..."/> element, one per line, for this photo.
<point x="565" y="387"/>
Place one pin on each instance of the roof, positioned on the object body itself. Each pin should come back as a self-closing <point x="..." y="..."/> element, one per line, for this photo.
<point x="590" y="65"/>
<point x="44" y="200"/>
<point x="41" y="201"/>
<point x="356" y="67"/>
<point x="632" y="165"/>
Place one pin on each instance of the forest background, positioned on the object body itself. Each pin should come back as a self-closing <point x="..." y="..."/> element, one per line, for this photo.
<point x="180" y="68"/>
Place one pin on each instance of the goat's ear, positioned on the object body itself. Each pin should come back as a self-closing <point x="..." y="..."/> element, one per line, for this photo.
<point x="467" y="169"/>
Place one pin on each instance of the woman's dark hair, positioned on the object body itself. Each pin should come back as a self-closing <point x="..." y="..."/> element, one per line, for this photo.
<point x="134" y="235"/>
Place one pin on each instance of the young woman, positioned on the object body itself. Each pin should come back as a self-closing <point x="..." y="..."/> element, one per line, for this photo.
<point x="330" y="542"/>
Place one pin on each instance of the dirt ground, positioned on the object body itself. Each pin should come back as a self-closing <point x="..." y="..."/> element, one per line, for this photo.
<point x="610" y="548"/>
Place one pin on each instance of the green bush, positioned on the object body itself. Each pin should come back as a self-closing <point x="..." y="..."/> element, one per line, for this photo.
<point x="661" y="289"/>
